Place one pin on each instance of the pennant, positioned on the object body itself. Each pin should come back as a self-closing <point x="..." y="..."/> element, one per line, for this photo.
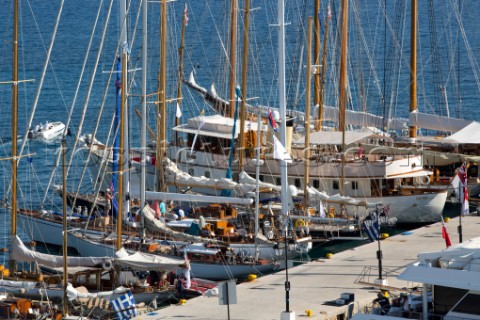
<point x="179" y="111"/>
<point x="463" y="189"/>
<point x="185" y="15"/>
<point x="125" y="306"/>
<point x="445" y="235"/>
<point x="271" y="120"/>
<point x="279" y="151"/>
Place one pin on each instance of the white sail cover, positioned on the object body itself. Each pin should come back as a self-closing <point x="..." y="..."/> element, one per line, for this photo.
<point x="19" y="252"/>
<point x="155" y="225"/>
<point x="145" y="262"/>
<point x="439" y="123"/>
<point x="337" y="198"/>
<point x="364" y="119"/>
<point x="175" y="176"/>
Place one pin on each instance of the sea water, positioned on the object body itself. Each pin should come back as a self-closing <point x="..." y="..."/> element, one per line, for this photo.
<point x="373" y="40"/>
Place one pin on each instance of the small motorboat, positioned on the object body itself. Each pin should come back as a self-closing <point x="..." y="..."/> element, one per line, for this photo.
<point x="47" y="131"/>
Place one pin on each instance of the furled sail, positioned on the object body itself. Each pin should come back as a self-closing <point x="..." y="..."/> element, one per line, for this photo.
<point x="19" y="252"/>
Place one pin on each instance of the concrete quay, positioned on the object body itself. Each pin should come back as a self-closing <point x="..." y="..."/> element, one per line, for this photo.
<point x="316" y="285"/>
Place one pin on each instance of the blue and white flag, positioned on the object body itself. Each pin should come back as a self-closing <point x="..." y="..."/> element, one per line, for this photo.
<point x="124" y="306"/>
<point x="372" y="227"/>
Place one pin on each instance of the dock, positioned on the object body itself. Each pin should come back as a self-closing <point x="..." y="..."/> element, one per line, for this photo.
<point x="316" y="285"/>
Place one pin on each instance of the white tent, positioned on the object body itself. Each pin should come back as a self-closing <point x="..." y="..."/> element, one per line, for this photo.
<point x="469" y="134"/>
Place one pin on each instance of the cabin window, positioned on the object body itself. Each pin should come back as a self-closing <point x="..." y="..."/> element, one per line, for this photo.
<point x="316" y="184"/>
<point x="191" y="171"/>
<point x="207" y="174"/>
<point x="354" y="185"/>
<point x="468" y="305"/>
<point x="298" y="183"/>
<point x="336" y="185"/>
<point x="279" y="181"/>
<point x="261" y="177"/>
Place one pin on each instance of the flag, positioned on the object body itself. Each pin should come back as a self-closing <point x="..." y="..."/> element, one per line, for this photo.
<point x="463" y="189"/>
<point x="186" y="272"/>
<point x="124" y="306"/>
<point x="386" y="209"/>
<point x="372" y="227"/>
<point x="279" y="151"/>
<point x="272" y="120"/>
<point x="445" y="235"/>
<point x="185" y="15"/>
<point x="179" y="111"/>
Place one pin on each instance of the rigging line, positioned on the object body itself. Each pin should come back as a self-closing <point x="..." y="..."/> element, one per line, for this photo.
<point x="42" y="78"/>
<point x="90" y="86"/>
<point x="57" y="161"/>
<point x="473" y="62"/>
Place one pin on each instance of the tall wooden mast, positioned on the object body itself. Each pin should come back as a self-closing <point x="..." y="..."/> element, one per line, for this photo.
<point x="233" y="50"/>
<point x="241" y="154"/>
<point x="307" y="114"/>
<point x="343" y="87"/>
<point x="180" y="71"/>
<point x="316" y="53"/>
<point x="413" y="67"/>
<point x="318" y="125"/>
<point x="162" y="106"/>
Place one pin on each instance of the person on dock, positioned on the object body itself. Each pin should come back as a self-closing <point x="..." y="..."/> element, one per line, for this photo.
<point x="163" y="208"/>
<point x="384" y="303"/>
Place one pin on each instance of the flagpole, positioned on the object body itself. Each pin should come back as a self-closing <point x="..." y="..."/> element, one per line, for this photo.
<point x="379" y="252"/>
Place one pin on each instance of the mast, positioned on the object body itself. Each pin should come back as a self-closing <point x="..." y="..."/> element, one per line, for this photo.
<point x="180" y="72"/>
<point x="343" y="87"/>
<point x="12" y="263"/>
<point x="233" y="49"/>
<point x="413" y="67"/>
<point x="143" y="129"/>
<point x="162" y="106"/>
<point x="316" y="54"/>
<point x="65" y="226"/>
<point x="121" y="157"/>
<point x="244" y="86"/>
<point x="318" y="126"/>
<point x="307" y="115"/>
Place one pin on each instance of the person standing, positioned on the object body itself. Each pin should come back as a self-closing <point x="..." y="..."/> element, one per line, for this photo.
<point x="163" y="208"/>
<point x="108" y="198"/>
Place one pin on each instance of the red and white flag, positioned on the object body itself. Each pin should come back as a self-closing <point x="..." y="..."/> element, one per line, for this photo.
<point x="271" y="120"/>
<point x="445" y="235"/>
<point x="463" y="190"/>
<point x="185" y="15"/>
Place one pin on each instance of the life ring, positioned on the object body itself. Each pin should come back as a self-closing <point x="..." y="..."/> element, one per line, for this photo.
<point x="424" y="180"/>
<point x="299" y="223"/>
<point x="107" y="265"/>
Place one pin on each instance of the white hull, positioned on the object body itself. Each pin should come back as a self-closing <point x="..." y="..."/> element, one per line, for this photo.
<point x="87" y="247"/>
<point x="41" y="230"/>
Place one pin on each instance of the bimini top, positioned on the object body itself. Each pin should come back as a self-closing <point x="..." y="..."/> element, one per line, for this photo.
<point x="455" y="267"/>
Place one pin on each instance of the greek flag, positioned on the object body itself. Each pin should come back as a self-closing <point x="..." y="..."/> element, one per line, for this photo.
<point x="372" y="227"/>
<point x="124" y="306"/>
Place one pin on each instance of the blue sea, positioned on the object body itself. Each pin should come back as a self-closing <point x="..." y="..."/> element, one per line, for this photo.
<point x="378" y="72"/>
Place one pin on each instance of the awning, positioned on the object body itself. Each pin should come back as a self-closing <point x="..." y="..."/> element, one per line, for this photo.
<point x="469" y="134"/>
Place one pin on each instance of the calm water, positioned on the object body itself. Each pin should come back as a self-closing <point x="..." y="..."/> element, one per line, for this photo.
<point x="378" y="67"/>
